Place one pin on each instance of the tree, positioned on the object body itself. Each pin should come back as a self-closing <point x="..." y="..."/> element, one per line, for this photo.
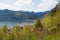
<point x="16" y="32"/>
<point x="38" y="23"/>
<point x="4" y="30"/>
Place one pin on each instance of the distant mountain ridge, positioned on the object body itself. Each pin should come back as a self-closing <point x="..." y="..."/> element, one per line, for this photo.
<point x="9" y="15"/>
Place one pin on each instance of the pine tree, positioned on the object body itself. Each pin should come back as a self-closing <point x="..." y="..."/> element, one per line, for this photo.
<point x="16" y="32"/>
<point x="4" y="30"/>
<point x="38" y="23"/>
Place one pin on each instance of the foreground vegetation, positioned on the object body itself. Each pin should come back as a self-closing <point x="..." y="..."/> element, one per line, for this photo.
<point x="47" y="28"/>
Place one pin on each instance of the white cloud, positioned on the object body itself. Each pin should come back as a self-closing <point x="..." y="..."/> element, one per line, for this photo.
<point x="23" y="2"/>
<point x="28" y="5"/>
<point x="3" y="6"/>
<point x="6" y="6"/>
<point x="46" y="5"/>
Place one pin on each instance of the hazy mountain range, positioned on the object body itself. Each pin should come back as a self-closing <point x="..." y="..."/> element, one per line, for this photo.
<point x="9" y="15"/>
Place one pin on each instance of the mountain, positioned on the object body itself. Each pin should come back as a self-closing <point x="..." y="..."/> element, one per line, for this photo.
<point x="9" y="15"/>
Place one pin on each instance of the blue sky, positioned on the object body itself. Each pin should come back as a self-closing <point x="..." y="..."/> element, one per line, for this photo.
<point x="28" y="5"/>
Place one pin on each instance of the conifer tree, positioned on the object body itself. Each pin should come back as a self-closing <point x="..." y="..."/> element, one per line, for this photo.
<point x="38" y="23"/>
<point x="4" y="30"/>
<point x="16" y="32"/>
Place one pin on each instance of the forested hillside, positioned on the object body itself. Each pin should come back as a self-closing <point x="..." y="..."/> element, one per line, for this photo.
<point x="14" y="16"/>
<point x="52" y="19"/>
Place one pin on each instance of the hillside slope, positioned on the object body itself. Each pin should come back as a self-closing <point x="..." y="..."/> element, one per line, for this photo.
<point x="9" y="15"/>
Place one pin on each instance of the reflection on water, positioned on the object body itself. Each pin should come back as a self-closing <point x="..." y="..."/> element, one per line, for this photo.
<point x="11" y="24"/>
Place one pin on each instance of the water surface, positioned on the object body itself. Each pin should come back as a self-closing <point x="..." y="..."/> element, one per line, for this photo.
<point x="11" y="24"/>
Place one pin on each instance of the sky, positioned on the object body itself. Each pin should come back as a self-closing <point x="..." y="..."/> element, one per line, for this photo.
<point x="28" y="5"/>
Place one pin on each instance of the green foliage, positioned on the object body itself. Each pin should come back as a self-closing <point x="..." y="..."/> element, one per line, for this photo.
<point x="4" y="32"/>
<point x="52" y="20"/>
<point x="38" y="23"/>
<point x="52" y="32"/>
<point x="4" y="29"/>
<point x="52" y="36"/>
<point x="17" y="34"/>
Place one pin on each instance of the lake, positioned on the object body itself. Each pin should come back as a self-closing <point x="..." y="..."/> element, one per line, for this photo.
<point x="11" y="24"/>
